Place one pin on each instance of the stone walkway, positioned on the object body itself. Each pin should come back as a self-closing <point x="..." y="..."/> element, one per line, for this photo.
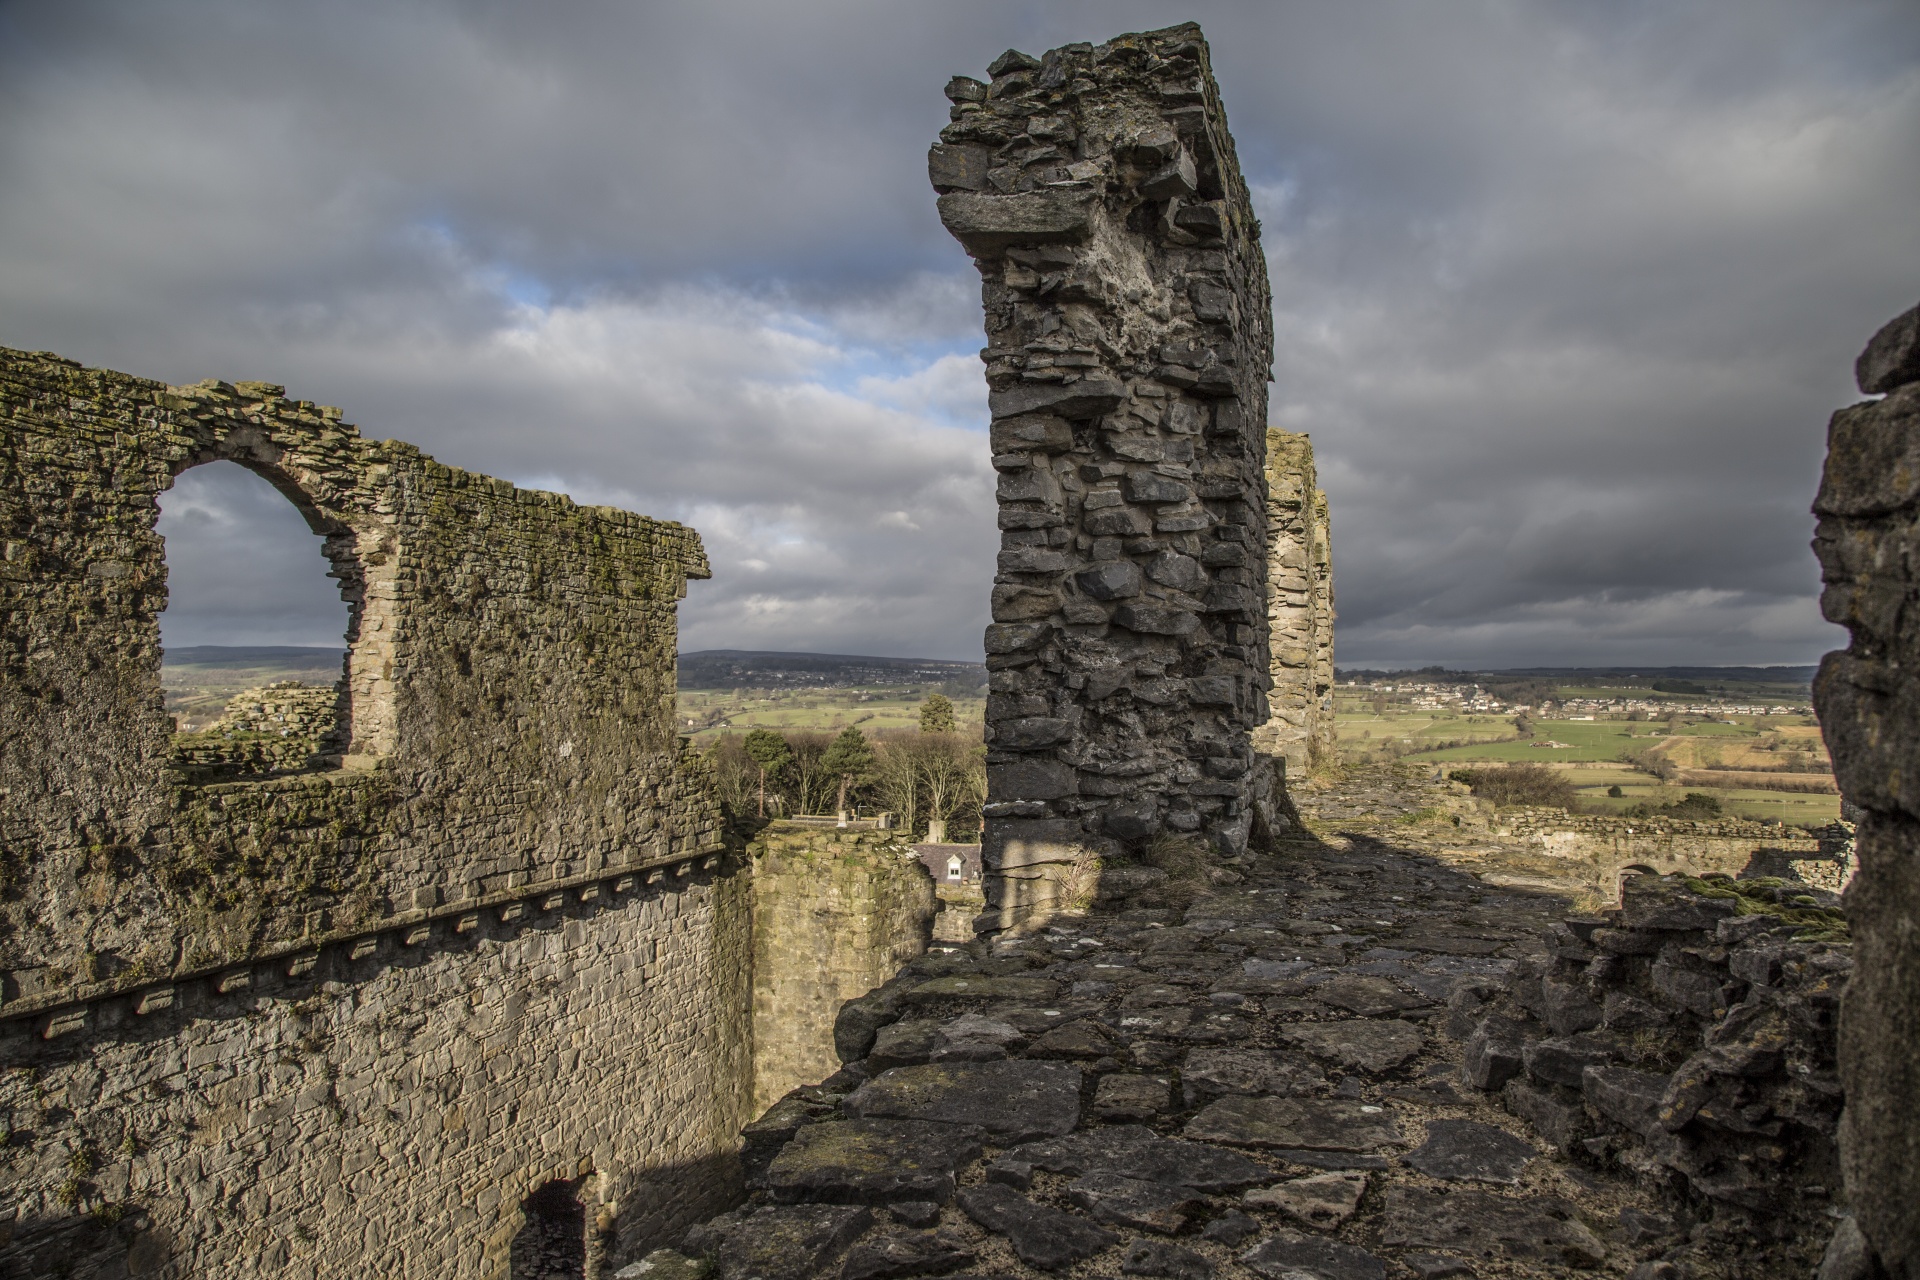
<point x="1261" y="1080"/>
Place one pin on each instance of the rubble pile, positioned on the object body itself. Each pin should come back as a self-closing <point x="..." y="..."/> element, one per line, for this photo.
<point x="1687" y="1038"/>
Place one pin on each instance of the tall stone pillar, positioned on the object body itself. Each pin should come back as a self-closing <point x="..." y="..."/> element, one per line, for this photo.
<point x="1129" y="332"/>
<point x="1299" y="609"/>
<point x="1868" y="697"/>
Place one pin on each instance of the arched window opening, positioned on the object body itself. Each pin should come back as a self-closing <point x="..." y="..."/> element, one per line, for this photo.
<point x="252" y="634"/>
<point x="552" y="1244"/>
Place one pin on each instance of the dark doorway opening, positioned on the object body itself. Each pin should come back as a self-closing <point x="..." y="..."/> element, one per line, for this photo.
<point x="552" y="1245"/>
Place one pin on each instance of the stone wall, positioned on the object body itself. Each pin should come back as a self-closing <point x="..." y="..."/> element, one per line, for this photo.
<point x="349" y="1017"/>
<point x="507" y="703"/>
<point x="285" y="727"/>
<point x="383" y="1106"/>
<point x="1129" y="339"/>
<point x="1299" y="609"/>
<point x="835" y="914"/>
<point x="1868" y="699"/>
<point x="1601" y="847"/>
<point x="1686" y="1038"/>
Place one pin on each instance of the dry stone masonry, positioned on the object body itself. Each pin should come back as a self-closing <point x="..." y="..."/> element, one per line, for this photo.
<point x="1687" y="1038"/>
<point x="1299" y="609"/>
<point x="1868" y="697"/>
<point x="478" y="938"/>
<point x="1129" y="339"/>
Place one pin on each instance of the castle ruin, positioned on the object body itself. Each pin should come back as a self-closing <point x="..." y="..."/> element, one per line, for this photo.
<point x="369" y="1002"/>
<point x="1129" y="335"/>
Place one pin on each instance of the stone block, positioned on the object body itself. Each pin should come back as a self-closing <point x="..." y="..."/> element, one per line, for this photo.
<point x="1891" y="359"/>
<point x="1031" y="778"/>
<point x="987" y="224"/>
<point x="957" y="168"/>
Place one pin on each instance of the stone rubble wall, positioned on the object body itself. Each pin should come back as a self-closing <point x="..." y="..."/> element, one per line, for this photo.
<point x="835" y="914"/>
<point x="385" y="1108"/>
<point x="1129" y="340"/>
<point x="1687" y="1038"/>
<point x="1607" y="848"/>
<point x="1868" y="699"/>
<point x="284" y="727"/>
<point x="1299" y="609"/>
<point x="508" y="696"/>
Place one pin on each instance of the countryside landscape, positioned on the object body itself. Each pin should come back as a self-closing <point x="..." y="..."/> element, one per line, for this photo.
<point x="860" y="642"/>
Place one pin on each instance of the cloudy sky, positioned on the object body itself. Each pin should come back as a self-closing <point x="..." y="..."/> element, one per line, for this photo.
<point x="1564" y="292"/>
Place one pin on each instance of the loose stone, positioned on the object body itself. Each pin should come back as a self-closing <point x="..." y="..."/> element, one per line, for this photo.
<point x="1466" y="1150"/>
<point x="1322" y="1201"/>
<point x="1131" y="1202"/>
<point x="1014" y="1100"/>
<point x="1312" y="1124"/>
<point x="1372" y="1046"/>
<point x="1291" y="1257"/>
<point x="1041" y="1237"/>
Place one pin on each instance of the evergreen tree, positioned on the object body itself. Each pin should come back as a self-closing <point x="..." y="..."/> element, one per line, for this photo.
<point x="936" y="714"/>
<point x="852" y="758"/>
<point x="769" y="751"/>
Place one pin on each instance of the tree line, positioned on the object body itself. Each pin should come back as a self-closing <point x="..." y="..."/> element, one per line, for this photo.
<point x="933" y="780"/>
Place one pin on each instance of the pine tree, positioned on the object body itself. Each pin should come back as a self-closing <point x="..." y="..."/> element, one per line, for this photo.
<point x="936" y="714"/>
<point x="851" y="758"/>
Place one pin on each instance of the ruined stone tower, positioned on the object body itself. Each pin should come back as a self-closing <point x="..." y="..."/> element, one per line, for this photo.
<point x="1299" y="609"/>
<point x="1129" y="337"/>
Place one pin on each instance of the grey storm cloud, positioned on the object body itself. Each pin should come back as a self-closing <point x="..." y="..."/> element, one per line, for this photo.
<point x="1563" y="292"/>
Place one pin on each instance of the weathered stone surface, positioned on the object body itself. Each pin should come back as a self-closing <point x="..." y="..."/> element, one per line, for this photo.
<point x="1478" y="1225"/>
<point x="891" y="1254"/>
<point x="1041" y="1237"/>
<point x="1625" y="1096"/>
<point x="914" y="1213"/>
<point x="1082" y="1038"/>
<point x="1123" y="283"/>
<point x="1553" y="1113"/>
<point x="1468" y="1151"/>
<point x="1322" y="1200"/>
<point x="1158" y="1258"/>
<point x="1869" y="706"/>
<point x="1132" y="1202"/>
<point x="1286" y="1256"/>
<point x="1891" y="359"/>
<point x="1299" y="573"/>
<point x="1131" y="1097"/>
<point x="903" y="1044"/>
<point x="1436" y="1266"/>
<point x="786" y="1242"/>
<point x="1369" y="997"/>
<point x="974" y="987"/>
<point x="1209" y="1073"/>
<point x="1135" y="1151"/>
<point x="871" y="1161"/>
<point x="1562" y="1060"/>
<point x="1310" y="1124"/>
<point x="1371" y="1045"/>
<point x="1013" y="1100"/>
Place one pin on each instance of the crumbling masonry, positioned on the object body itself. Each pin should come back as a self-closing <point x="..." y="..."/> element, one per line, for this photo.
<point x="1129" y="337"/>
<point x="352" y="1015"/>
<point x="1299" y="609"/>
<point x="1868" y="697"/>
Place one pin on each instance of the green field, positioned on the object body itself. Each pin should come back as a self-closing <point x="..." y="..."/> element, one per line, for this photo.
<point x="707" y="712"/>
<point x="1593" y="754"/>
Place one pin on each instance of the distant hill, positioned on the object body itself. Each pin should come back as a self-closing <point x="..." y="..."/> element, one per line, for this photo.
<point x="1594" y="675"/>
<point x="276" y="656"/>
<point x="748" y="668"/>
